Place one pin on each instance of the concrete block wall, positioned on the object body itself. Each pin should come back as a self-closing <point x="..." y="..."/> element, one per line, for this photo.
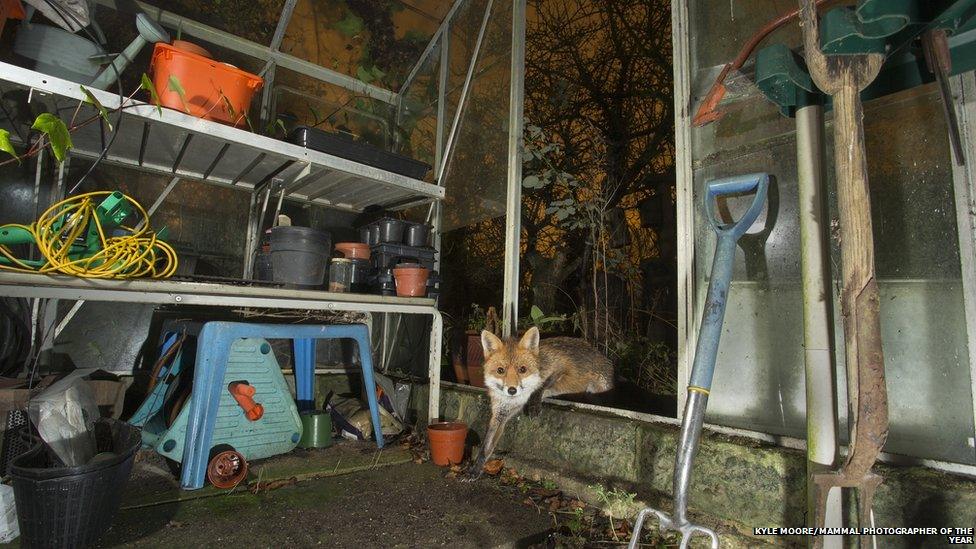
<point x="738" y="483"/>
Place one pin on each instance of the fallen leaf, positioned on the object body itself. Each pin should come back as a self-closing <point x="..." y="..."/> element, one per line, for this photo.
<point x="494" y="466"/>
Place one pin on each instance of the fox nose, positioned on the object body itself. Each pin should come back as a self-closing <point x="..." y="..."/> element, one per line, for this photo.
<point x="512" y="390"/>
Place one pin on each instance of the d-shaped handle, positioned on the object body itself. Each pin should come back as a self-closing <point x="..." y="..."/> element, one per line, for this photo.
<point x="741" y="184"/>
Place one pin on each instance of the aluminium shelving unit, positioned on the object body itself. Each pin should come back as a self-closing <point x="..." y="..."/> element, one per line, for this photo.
<point x="177" y="145"/>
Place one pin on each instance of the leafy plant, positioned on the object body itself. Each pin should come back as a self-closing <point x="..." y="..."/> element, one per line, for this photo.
<point x="351" y="25"/>
<point x="92" y="100"/>
<point x="545" y="323"/>
<point x="174" y="85"/>
<point x="6" y="146"/>
<point x="477" y="318"/>
<point x="146" y="84"/>
<point x="649" y="364"/>
<point x="615" y="502"/>
<point x="577" y="524"/>
<point x="56" y="132"/>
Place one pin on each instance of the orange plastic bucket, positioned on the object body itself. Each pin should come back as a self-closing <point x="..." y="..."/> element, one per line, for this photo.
<point x="213" y="90"/>
<point x="447" y="442"/>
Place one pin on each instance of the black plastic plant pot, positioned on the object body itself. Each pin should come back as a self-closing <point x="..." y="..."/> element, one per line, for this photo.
<point x="73" y="506"/>
<point x="300" y="255"/>
<point x="416" y="234"/>
<point x="391" y="230"/>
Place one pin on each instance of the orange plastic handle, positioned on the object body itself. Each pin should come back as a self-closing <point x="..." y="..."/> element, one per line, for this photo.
<point x="243" y="394"/>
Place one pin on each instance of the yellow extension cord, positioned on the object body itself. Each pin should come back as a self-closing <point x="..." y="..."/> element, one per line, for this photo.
<point x="138" y="254"/>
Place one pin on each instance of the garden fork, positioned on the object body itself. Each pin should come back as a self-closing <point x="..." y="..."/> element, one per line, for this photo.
<point x="707" y="349"/>
<point x="843" y="77"/>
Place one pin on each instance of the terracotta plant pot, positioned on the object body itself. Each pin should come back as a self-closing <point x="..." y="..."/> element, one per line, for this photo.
<point x="474" y="357"/>
<point x="411" y="281"/>
<point x="447" y="442"/>
<point x="353" y="250"/>
<point x="460" y="371"/>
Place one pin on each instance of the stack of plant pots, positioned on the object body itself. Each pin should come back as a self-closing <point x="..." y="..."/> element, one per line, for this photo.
<point x="401" y="254"/>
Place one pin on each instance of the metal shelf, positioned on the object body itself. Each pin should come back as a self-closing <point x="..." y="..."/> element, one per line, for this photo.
<point x="177" y="144"/>
<point x="169" y="292"/>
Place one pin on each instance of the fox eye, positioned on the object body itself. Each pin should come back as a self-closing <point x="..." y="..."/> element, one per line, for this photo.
<point x="522" y="370"/>
<point x="501" y="370"/>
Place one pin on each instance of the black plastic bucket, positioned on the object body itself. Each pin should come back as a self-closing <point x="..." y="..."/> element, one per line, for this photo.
<point x="300" y="255"/>
<point x="73" y="506"/>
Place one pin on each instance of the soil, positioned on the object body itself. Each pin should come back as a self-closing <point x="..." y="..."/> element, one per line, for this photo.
<point x="406" y="505"/>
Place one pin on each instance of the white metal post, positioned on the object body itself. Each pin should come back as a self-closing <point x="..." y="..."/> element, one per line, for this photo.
<point x="684" y="188"/>
<point x="434" y="367"/>
<point x="513" y="197"/>
<point x="821" y="395"/>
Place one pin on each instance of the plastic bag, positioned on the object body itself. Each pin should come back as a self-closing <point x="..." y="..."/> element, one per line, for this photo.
<point x="64" y="415"/>
<point x="9" y="527"/>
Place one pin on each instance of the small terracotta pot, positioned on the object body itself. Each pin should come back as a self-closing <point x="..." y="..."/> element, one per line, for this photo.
<point x="353" y="250"/>
<point x="411" y="281"/>
<point x="447" y="442"/>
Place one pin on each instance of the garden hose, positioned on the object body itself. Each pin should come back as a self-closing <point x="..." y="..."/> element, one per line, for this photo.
<point x="139" y="253"/>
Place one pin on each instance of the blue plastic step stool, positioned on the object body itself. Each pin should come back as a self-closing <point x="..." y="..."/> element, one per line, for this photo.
<point x="213" y="351"/>
<point x="252" y="361"/>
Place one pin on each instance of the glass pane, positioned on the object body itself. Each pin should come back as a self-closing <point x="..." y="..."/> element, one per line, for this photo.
<point x="475" y="181"/>
<point x="255" y="21"/>
<point x="376" y="42"/>
<point x="417" y="120"/>
<point x="758" y="381"/>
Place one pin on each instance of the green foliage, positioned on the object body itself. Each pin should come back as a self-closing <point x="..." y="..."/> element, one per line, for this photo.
<point x="577" y="525"/>
<point x="174" y="85"/>
<point x="274" y="127"/>
<point x="92" y="100"/>
<point x="371" y="74"/>
<point x="540" y="156"/>
<point x="351" y="26"/>
<point x="545" y="323"/>
<point x="417" y="37"/>
<point x="147" y="84"/>
<point x="477" y="318"/>
<point x="56" y="132"/>
<point x="6" y="146"/>
<point x="616" y="503"/>
<point x="649" y="364"/>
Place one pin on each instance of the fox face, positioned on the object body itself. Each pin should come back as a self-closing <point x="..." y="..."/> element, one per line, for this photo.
<point x="512" y="369"/>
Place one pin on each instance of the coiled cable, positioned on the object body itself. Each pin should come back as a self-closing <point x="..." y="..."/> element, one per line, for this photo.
<point x="139" y="253"/>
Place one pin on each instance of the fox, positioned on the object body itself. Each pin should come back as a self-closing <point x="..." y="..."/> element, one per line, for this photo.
<point x="519" y="374"/>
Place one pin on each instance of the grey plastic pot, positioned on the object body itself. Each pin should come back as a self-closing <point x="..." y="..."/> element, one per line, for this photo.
<point x="299" y="255"/>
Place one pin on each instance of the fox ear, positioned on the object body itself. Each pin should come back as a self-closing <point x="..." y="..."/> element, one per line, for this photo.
<point x="490" y="342"/>
<point x="530" y="341"/>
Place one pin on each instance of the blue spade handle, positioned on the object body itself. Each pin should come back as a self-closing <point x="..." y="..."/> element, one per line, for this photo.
<point x="718" y="288"/>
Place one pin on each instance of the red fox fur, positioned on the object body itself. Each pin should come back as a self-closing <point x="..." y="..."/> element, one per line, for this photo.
<point x="529" y="370"/>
